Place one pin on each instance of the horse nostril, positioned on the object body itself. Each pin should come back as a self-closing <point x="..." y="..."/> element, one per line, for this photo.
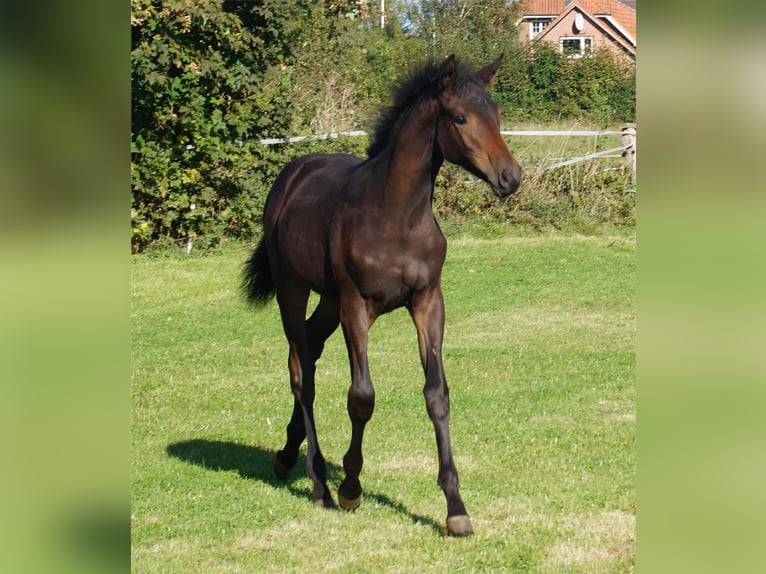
<point x="509" y="181"/>
<point x="506" y="179"/>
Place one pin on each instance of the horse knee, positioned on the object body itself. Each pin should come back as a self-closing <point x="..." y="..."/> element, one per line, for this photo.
<point x="437" y="402"/>
<point x="448" y="479"/>
<point x="361" y="403"/>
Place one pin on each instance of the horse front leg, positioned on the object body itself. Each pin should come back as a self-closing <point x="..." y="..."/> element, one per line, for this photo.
<point x="361" y="398"/>
<point x="427" y="310"/>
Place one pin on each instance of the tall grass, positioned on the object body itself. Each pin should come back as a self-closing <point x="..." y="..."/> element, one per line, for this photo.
<point x="539" y="356"/>
<point x="584" y="197"/>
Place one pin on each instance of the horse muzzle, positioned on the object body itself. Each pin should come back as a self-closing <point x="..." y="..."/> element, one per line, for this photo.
<point x="508" y="180"/>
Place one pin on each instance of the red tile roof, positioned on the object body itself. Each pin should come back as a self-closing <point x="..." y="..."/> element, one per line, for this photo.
<point x="542" y="7"/>
<point x="625" y="16"/>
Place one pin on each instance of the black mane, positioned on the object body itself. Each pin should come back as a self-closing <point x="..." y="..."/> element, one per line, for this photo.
<point x="421" y="80"/>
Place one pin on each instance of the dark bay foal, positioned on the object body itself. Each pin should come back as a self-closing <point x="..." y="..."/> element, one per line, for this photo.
<point x="362" y="234"/>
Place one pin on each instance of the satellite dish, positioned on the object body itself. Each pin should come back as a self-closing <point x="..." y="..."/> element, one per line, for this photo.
<point x="579" y="22"/>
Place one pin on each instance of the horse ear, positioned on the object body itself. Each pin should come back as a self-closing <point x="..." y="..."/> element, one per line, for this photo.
<point x="448" y="73"/>
<point x="487" y="73"/>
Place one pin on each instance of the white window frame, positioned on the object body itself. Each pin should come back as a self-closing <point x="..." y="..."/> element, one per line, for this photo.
<point x="582" y="41"/>
<point x="542" y="22"/>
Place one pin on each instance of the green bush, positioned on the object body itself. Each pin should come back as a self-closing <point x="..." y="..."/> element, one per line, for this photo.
<point x="580" y="197"/>
<point x="208" y="79"/>
<point x="539" y="84"/>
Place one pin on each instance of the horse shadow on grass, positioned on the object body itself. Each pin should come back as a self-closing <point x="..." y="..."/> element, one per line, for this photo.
<point x="255" y="463"/>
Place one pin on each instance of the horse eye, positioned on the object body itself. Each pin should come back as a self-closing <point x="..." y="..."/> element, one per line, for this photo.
<point x="459" y="119"/>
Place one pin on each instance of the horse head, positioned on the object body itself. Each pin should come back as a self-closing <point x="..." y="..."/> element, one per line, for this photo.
<point x="468" y="128"/>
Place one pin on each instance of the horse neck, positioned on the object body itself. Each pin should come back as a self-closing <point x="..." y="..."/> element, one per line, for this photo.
<point x="412" y="162"/>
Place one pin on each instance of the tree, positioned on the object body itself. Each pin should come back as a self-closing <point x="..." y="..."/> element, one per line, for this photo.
<point x="207" y="80"/>
<point x="481" y="29"/>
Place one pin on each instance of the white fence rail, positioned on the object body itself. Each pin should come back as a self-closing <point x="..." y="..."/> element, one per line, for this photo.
<point x="627" y="150"/>
<point x="559" y="133"/>
<point x="605" y="153"/>
<point x="335" y="135"/>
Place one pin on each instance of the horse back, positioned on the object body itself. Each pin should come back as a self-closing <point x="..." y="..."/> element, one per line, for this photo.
<point x="298" y="214"/>
<point x="311" y="178"/>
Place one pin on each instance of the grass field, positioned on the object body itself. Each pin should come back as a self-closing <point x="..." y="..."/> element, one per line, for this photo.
<point x="539" y="355"/>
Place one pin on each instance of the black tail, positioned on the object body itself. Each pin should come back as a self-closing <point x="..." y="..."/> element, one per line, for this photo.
<point x="257" y="282"/>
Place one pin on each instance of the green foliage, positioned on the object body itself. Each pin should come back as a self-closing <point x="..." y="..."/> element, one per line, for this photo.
<point x="587" y="197"/>
<point x="540" y="84"/>
<point x="345" y="71"/>
<point x="208" y="79"/>
<point x="478" y="30"/>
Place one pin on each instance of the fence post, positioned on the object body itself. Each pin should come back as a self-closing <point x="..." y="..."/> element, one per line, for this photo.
<point x="190" y="237"/>
<point x="629" y="139"/>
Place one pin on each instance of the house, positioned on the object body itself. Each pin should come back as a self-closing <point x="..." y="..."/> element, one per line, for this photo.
<point x="577" y="27"/>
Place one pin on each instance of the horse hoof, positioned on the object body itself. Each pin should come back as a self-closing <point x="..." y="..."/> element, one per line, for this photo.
<point x="280" y="470"/>
<point x="324" y="503"/>
<point x="349" y="504"/>
<point x="459" y="525"/>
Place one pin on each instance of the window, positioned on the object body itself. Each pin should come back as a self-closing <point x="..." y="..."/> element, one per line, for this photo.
<point x="576" y="47"/>
<point x="537" y="25"/>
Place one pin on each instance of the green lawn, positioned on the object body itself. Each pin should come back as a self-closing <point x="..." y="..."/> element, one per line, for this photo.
<point x="539" y="355"/>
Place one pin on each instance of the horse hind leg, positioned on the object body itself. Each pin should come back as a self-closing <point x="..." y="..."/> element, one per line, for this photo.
<point x="296" y="433"/>
<point x="313" y="334"/>
<point x="322" y="323"/>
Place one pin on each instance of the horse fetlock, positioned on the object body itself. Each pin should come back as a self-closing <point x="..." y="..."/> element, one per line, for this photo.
<point x="281" y="470"/>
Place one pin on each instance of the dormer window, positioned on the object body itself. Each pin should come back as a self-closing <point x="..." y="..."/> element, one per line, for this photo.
<point x="537" y="25"/>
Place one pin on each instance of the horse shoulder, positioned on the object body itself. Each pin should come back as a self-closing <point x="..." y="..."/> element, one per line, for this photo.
<point x="386" y="270"/>
<point x="423" y="259"/>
